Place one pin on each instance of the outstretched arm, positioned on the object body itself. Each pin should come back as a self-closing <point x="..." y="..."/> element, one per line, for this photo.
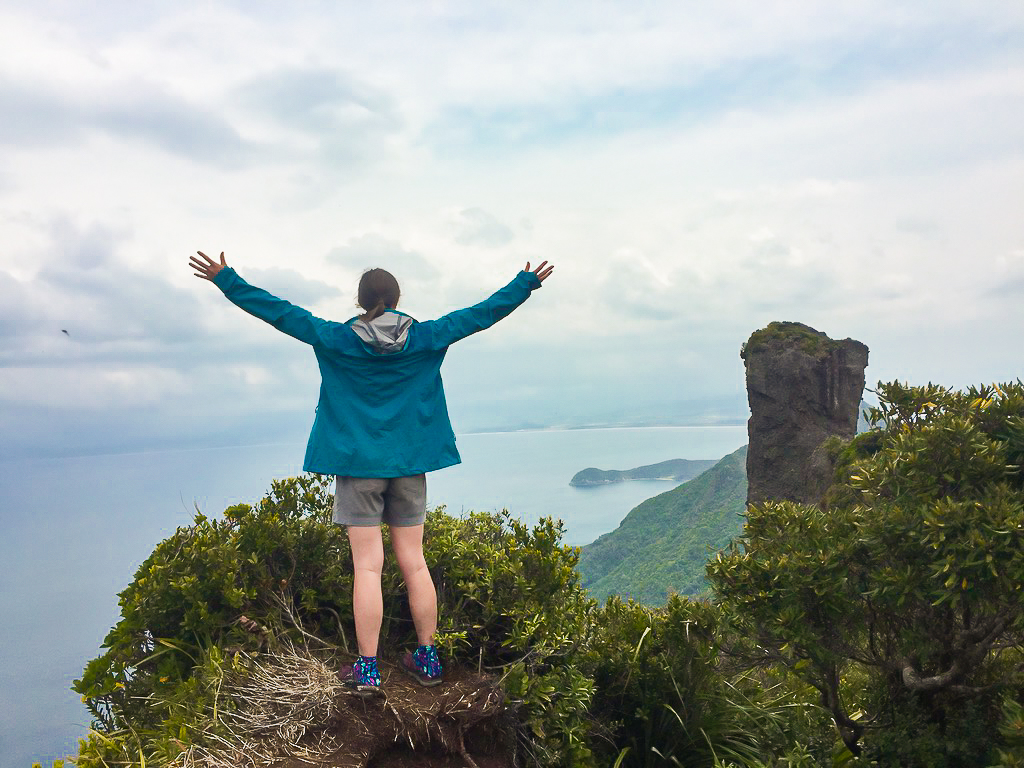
<point x="458" y="325"/>
<point x="286" y="317"/>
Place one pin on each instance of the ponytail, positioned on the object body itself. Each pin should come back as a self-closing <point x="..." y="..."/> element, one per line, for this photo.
<point x="376" y="312"/>
<point x="378" y="291"/>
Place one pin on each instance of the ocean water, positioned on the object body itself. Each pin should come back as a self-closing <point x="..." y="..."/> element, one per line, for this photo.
<point x="76" y="529"/>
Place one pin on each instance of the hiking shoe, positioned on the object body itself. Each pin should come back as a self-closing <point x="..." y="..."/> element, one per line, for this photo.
<point x="423" y="666"/>
<point x="361" y="677"/>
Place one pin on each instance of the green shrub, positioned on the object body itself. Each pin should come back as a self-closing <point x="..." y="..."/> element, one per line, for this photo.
<point x="812" y="342"/>
<point x="510" y="602"/>
<point x="943" y="731"/>
<point x="666" y="696"/>
<point x="269" y="564"/>
<point x="910" y="577"/>
<point x="1011" y="729"/>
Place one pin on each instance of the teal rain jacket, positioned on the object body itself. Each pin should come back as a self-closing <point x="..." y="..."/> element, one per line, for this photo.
<point x="382" y="413"/>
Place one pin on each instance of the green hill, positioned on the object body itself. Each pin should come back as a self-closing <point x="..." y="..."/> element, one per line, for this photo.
<point x="662" y="545"/>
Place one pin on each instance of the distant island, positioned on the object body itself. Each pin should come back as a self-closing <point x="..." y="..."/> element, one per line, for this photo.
<point x="673" y="469"/>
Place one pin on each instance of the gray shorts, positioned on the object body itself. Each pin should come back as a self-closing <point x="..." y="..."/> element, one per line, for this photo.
<point x="397" y="501"/>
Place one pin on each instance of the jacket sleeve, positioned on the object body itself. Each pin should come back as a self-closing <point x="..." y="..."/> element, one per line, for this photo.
<point x="286" y="317"/>
<point x="460" y="324"/>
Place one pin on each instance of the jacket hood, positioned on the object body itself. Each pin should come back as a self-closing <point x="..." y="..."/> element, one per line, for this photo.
<point x="386" y="333"/>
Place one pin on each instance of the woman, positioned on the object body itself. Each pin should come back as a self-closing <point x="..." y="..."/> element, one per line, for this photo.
<point x="381" y="424"/>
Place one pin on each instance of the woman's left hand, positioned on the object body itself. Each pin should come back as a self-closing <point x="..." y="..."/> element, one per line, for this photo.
<point x="541" y="273"/>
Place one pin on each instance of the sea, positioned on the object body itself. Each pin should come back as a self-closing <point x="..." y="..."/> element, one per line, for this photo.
<point x="76" y="529"/>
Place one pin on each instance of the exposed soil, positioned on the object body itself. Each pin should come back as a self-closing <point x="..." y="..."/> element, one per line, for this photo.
<point x="462" y="722"/>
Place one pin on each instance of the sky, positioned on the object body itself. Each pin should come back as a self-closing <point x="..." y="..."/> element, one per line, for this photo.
<point x="693" y="170"/>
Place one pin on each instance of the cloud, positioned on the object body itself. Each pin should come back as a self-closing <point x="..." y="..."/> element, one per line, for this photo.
<point x="1011" y="289"/>
<point x="318" y="101"/>
<point x="34" y="117"/>
<point x="478" y="227"/>
<point x="694" y="173"/>
<point x="150" y="115"/>
<point x="368" y="251"/>
<point x="781" y="276"/>
<point x="18" y="315"/>
<point x="108" y="306"/>
<point x="290" y="285"/>
<point x="82" y="249"/>
<point x="176" y="126"/>
<point x="637" y="68"/>
<point x="1006" y="280"/>
<point x="348" y="122"/>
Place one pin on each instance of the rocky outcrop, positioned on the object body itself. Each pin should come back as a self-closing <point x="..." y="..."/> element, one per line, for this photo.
<point x="803" y="388"/>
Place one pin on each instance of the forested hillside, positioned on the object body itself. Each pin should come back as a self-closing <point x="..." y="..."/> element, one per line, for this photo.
<point x="663" y="545"/>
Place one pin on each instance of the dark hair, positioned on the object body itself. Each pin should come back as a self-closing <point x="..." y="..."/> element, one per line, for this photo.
<point x="378" y="290"/>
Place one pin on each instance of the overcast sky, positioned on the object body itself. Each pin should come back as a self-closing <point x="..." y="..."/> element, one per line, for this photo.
<point x="693" y="170"/>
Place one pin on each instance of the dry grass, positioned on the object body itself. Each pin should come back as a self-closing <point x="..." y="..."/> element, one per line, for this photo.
<point x="290" y="709"/>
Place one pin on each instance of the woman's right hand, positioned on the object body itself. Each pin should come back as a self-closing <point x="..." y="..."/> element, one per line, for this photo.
<point x="209" y="269"/>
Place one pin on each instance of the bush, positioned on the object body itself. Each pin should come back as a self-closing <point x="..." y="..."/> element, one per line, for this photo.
<point x="911" y="576"/>
<point x="281" y="572"/>
<point x="207" y="584"/>
<point x="665" y="694"/>
<point x="511" y="602"/>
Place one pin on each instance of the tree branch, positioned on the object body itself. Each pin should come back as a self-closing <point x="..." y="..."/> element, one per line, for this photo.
<point x="850" y="731"/>
<point x="913" y="680"/>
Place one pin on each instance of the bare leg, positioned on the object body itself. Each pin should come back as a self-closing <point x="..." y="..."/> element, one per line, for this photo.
<point x="367" y="601"/>
<point x="407" y="542"/>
